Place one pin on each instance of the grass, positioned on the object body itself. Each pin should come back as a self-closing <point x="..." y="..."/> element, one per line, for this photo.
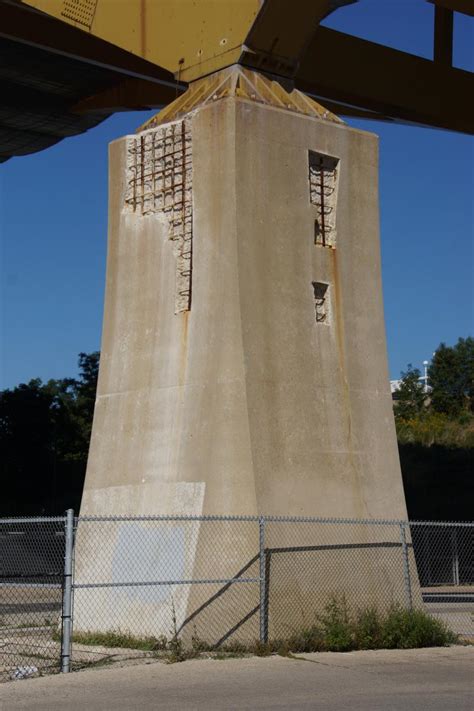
<point x="335" y="630"/>
<point x="120" y="640"/>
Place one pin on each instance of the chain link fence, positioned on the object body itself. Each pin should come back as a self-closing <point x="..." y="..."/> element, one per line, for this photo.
<point x="163" y="577"/>
<point x="72" y="590"/>
<point x="31" y="579"/>
<point x="444" y="554"/>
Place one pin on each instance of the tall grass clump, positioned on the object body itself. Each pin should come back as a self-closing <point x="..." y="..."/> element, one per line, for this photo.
<point x="339" y="630"/>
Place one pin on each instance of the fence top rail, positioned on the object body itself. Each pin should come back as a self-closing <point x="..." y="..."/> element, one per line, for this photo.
<point x="46" y="586"/>
<point x="33" y="519"/>
<point x="275" y="519"/>
<point x="373" y="521"/>
<point x="167" y="517"/>
<point x="262" y="519"/>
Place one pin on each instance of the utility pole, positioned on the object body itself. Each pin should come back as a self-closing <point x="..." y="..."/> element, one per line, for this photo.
<point x="425" y="378"/>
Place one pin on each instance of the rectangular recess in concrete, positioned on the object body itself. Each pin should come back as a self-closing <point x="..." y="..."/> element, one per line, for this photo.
<point x="323" y="179"/>
<point x="321" y="301"/>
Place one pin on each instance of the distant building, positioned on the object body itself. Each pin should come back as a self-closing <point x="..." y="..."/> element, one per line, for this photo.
<point x="395" y="385"/>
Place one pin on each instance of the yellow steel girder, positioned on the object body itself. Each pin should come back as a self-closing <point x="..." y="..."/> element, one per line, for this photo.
<point x="193" y="38"/>
<point x="190" y="38"/>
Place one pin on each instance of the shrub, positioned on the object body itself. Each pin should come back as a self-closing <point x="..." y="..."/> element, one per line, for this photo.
<point x="407" y="629"/>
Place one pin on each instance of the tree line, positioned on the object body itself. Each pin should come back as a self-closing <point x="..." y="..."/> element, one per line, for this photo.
<point x="45" y="429"/>
<point x="435" y="430"/>
<point x="443" y="412"/>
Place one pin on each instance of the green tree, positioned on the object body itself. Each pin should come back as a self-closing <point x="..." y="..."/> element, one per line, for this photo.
<point x="44" y="439"/>
<point x="451" y="378"/>
<point x="85" y="392"/>
<point x="411" y="397"/>
<point x="26" y="431"/>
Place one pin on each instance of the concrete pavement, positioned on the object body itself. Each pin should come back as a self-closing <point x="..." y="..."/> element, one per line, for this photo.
<point x="393" y="680"/>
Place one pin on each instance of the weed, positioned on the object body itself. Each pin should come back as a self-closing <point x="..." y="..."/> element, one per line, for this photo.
<point x="235" y="647"/>
<point x="175" y="645"/>
<point x="310" y="639"/>
<point x="261" y="649"/>
<point x="198" y="645"/>
<point x="337" y="628"/>
<point x="367" y="629"/>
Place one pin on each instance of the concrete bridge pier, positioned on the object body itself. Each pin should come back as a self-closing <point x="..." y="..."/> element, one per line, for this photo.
<point x="243" y="365"/>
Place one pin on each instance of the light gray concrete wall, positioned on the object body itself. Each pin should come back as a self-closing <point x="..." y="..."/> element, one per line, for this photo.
<point x="320" y="411"/>
<point x="171" y="405"/>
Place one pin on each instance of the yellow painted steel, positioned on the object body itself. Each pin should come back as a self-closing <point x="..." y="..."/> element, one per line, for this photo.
<point x="190" y="38"/>
<point x="196" y="38"/>
<point x="245" y="84"/>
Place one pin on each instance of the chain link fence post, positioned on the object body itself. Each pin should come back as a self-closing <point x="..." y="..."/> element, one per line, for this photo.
<point x="454" y="543"/>
<point x="263" y="581"/>
<point x="406" y="565"/>
<point x="66" y="614"/>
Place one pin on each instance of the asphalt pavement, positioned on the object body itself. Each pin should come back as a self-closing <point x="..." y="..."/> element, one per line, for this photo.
<point x="440" y="679"/>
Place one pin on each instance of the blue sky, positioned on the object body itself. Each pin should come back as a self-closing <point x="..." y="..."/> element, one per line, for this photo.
<point x="53" y="224"/>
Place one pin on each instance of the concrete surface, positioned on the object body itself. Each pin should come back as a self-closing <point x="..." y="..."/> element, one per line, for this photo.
<point x="244" y="404"/>
<point x="428" y="679"/>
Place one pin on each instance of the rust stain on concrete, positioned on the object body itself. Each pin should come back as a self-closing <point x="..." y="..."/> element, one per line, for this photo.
<point x="340" y="338"/>
<point x="338" y="310"/>
<point x="183" y="357"/>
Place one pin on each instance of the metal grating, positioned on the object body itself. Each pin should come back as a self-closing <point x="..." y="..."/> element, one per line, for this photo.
<point x="80" y="11"/>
